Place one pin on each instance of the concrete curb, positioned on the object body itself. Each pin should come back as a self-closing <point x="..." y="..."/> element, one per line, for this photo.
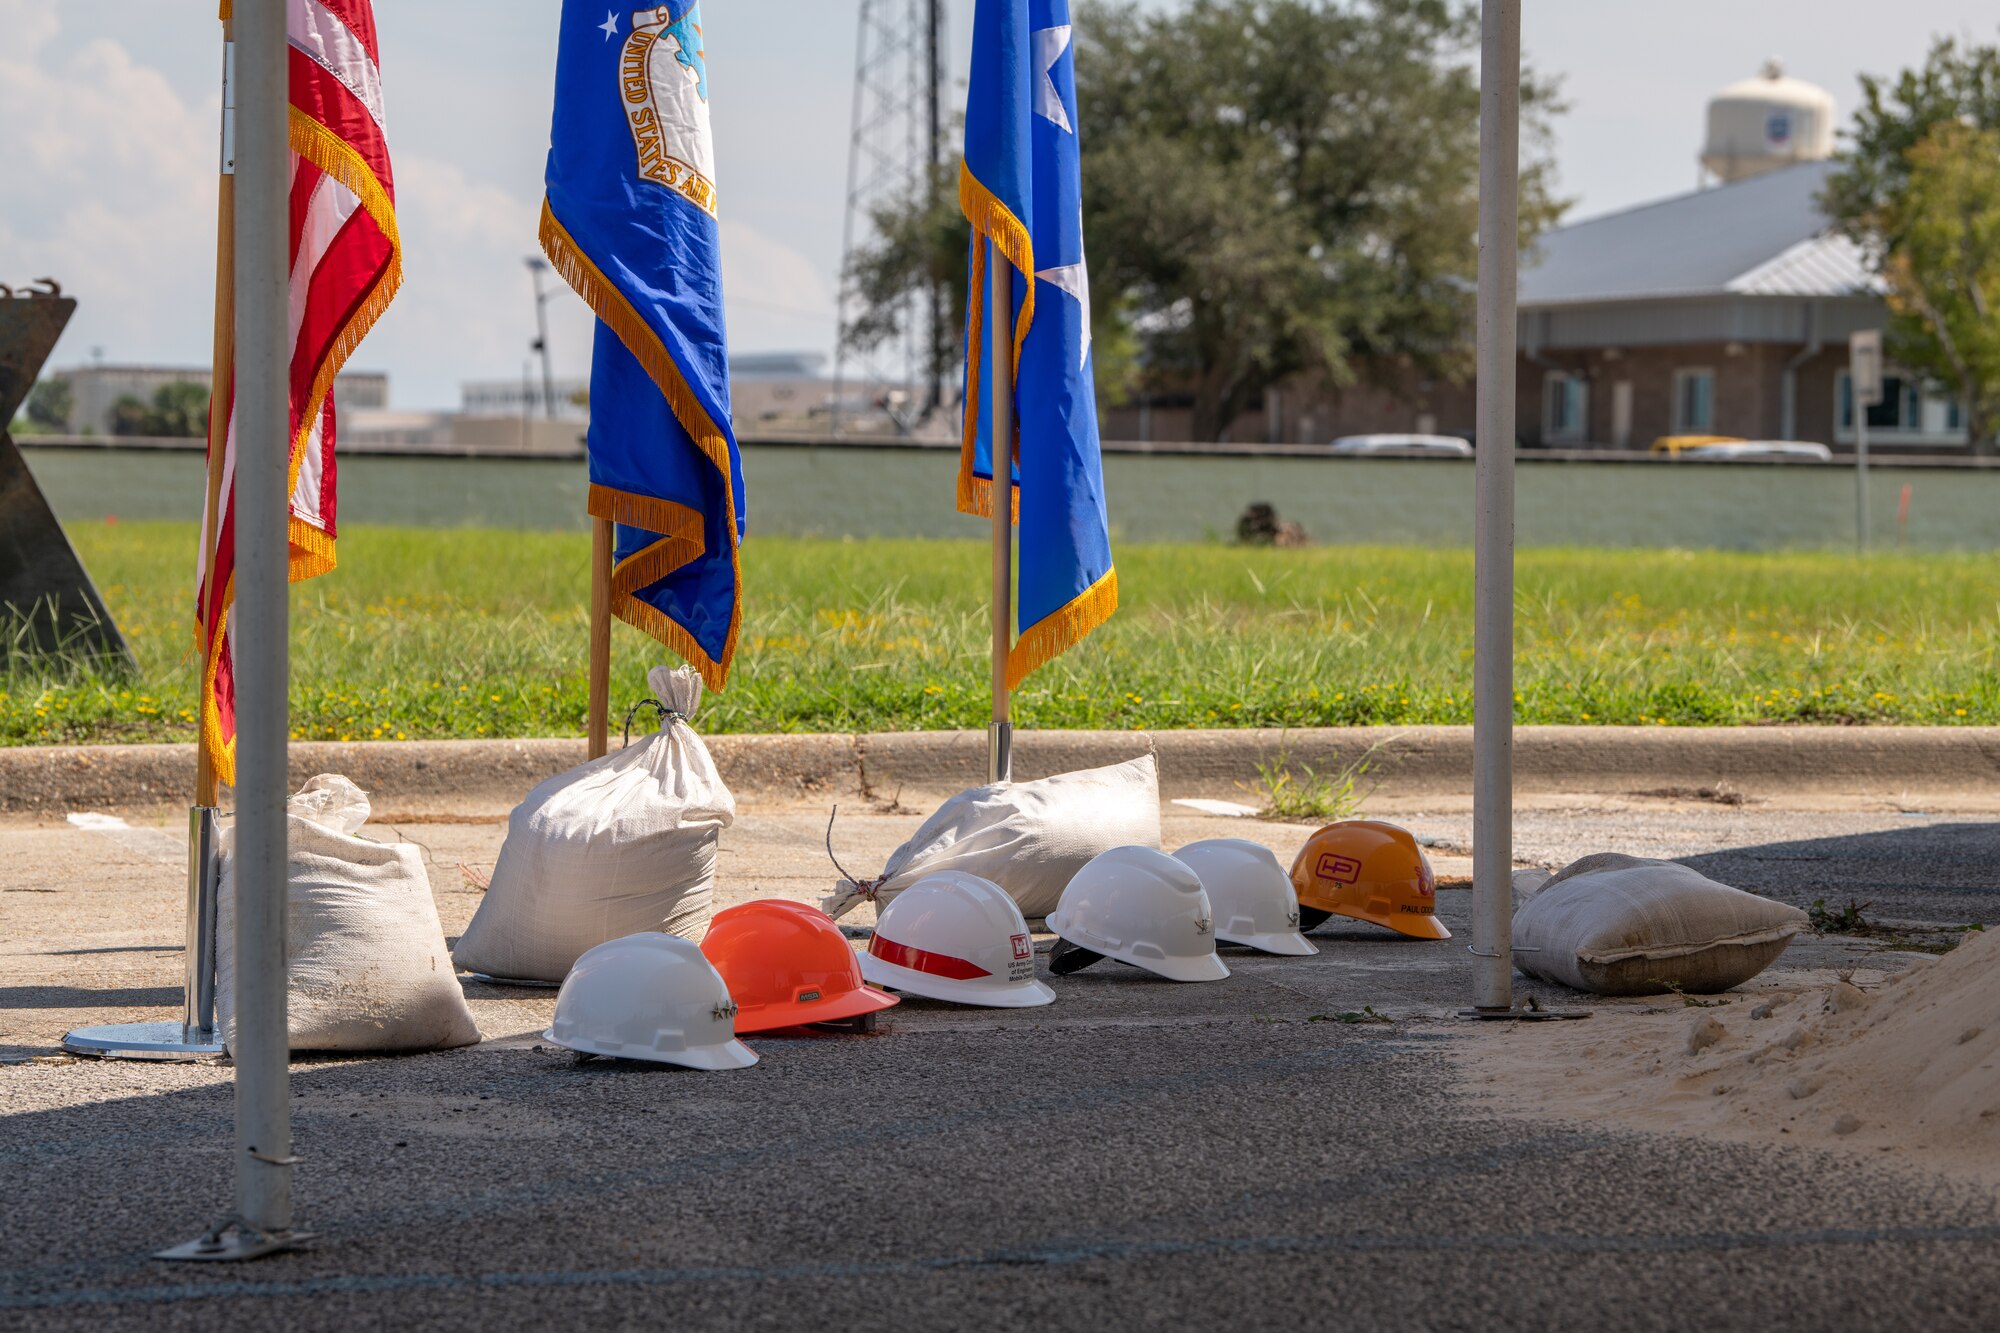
<point x="1883" y="762"/>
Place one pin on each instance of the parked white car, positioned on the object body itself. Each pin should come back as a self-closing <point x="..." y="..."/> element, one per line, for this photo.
<point x="1404" y="446"/>
<point x="1758" y="451"/>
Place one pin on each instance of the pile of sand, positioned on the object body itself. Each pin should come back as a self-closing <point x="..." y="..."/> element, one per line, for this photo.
<point x="1906" y="1062"/>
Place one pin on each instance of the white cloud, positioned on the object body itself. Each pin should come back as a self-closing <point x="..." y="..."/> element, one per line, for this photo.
<point x="110" y="189"/>
<point x="775" y="296"/>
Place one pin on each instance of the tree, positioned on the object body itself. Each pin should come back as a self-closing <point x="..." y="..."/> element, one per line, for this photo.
<point x="1944" y="272"/>
<point x="129" y="416"/>
<point x="1919" y="191"/>
<point x="919" y="248"/>
<point x="179" y="410"/>
<point x="49" y="404"/>
<point x="1271" y="187"/>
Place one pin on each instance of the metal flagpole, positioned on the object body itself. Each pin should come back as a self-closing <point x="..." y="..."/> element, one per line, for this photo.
<point x="1493" y="532"/>
<point x="193" y="1035"/>
<point x="599" y="724"/>
<point x="1000" y="390"/>
<point x="263" y="1219"/>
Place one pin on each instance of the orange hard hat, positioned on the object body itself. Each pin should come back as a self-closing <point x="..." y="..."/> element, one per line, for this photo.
<point x="1371" y="871"/>
<point x="785" y="964"/>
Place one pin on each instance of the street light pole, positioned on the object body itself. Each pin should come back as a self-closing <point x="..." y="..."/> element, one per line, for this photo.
<point x="538" y="266"/>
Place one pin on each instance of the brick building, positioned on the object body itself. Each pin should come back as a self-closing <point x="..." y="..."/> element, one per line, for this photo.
<point x="1725" y="311"/>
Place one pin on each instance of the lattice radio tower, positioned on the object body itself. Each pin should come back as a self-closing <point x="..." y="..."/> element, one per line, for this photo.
<point x="895" y="143"/>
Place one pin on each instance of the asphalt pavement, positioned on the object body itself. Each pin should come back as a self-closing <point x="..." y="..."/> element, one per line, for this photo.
<point x="1261" y="1152"/>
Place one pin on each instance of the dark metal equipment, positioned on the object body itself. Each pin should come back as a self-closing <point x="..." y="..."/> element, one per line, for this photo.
<point x="48" y="605"/>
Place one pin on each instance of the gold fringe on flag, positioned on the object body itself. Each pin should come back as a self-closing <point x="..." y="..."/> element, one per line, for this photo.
<point x="1062" y="629"/>
<point x="994" y="221"/>
<point x="682" y="530"/>
<point x="312" y="548"/>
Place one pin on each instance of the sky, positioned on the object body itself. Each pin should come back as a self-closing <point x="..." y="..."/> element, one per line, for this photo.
<point x="108" y="146"/>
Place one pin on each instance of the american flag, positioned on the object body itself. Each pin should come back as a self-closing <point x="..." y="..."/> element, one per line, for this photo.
<point x="346" y="265"/>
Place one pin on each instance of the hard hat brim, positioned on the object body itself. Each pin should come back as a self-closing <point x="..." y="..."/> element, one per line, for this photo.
<point x="1420" y="928"/>
<point x="852" y="1004"/>
<point x="1201" y="967"/>
<point x="1004" y="995"/>
<point x="1288" y="944"/>
<point x="730" y="1054"/>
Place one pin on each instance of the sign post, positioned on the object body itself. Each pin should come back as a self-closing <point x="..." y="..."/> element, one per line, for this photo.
<point x="1864" y="374"/>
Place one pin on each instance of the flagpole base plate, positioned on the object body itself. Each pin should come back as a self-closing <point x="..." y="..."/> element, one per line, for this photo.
<point x="143" y="1041"/>
<point x="232" y="1241"/>
<point x="487" y="980"/>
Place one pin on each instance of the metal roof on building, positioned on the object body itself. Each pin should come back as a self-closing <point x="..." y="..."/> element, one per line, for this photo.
<point x="1765" y="236"/>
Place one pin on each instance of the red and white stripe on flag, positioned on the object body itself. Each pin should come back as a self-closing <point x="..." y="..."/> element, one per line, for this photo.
<point x="346" y="265"/>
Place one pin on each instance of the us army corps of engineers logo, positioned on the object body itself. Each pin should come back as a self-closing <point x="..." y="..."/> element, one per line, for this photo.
<point x="663" y="77"/>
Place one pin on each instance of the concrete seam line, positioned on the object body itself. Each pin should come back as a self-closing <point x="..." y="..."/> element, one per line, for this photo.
<point x="1048" y="1255"/>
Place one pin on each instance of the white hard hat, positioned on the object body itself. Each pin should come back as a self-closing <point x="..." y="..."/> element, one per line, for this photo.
<point x="954" y="936"/>
<point x="1251" y="894"/>
<point x="649" y="997"/>
<point x="1141" y="907"/>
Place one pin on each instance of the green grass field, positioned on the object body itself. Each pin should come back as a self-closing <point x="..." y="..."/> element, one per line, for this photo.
<point x="439" y="633"/>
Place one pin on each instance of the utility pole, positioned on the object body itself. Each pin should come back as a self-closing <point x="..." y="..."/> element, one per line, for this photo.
<point x="538" y="266"/>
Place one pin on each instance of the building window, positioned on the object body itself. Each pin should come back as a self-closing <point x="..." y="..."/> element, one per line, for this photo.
<point x="1565" y="408"/>
<point x="1694" y="402"/>
<point x="1907" y="414"/>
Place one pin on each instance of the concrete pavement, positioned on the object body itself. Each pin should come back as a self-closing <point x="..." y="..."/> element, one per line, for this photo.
<point x="1138" y="1154"/>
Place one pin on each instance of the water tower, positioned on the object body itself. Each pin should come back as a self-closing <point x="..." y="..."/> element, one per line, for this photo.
<point x="1767" y="122"/>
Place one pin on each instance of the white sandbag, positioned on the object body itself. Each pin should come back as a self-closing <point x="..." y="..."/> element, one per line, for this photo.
<point x="1626" y="925"/>
<point x="1030" y="838"/>
<point x="623" y="844"/>
<point x="367" y="968"/>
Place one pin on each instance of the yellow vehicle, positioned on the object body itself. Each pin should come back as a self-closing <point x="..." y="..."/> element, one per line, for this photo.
<point x="1671" y="445"/>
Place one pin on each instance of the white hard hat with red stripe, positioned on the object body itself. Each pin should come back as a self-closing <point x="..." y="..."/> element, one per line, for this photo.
<point x="956" y="937"/>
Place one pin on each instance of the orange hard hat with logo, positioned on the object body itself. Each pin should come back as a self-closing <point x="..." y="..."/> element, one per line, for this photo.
<point x="786" y="964"/>
<point x="1371" y="871"/>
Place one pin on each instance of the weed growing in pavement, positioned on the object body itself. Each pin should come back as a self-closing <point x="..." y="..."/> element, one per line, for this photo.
<point x="1846" y="920"/>
<point x="1299" y="792"/>
<point x="481" y="633"/>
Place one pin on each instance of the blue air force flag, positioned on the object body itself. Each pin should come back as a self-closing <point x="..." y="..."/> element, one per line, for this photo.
<point x="1022" y="190"/>
<point x="630" y="222"/>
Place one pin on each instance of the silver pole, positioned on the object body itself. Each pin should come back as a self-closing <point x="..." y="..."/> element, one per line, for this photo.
<point x="1000" y="390"/>
<point x="1493" y="528"/>
<point x="1860" y="475"/>
<point x="198" y="998"/>
<point x="261" y="1048"/>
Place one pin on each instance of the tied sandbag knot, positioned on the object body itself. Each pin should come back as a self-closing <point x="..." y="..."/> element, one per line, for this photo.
<point x="863" y="889"/>
<point x="668" y="716"/>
